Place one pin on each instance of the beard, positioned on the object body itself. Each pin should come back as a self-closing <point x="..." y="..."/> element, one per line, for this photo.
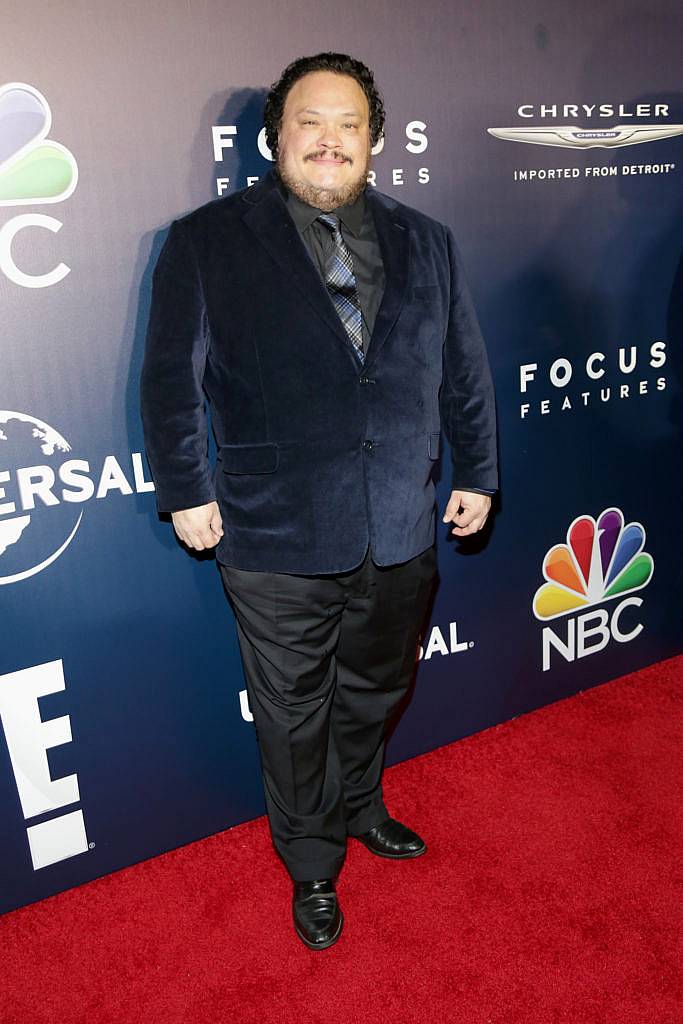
<point x="325" y="199"/>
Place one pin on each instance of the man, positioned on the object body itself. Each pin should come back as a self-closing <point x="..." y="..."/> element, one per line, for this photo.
<point x="332" y="331"/>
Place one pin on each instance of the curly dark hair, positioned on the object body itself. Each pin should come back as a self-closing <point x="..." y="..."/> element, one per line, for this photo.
<point x="341" y="64"/>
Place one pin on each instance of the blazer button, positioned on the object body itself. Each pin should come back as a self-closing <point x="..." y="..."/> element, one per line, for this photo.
<point x="367" y="445"/>
<point x="363" y="380"/>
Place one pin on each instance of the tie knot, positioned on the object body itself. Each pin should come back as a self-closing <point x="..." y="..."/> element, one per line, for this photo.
<point x="330" y="220"/>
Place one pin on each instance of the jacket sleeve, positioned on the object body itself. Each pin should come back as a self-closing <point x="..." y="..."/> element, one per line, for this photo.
<point x="467" y="400"/>
<point x="171" y="392"/>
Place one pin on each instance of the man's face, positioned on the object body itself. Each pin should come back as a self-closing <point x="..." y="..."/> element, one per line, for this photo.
<point x="324" y="140"/>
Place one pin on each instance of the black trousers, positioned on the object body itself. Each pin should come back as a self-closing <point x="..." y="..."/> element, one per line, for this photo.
<point x="326" y="659"/>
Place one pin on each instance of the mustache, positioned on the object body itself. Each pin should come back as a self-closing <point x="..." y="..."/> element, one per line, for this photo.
<point x="341" y="157"/>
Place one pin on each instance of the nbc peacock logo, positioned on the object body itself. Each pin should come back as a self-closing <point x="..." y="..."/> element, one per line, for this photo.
<point x="602" y="561"/>
<point x="34" y="171"/>
<point x="33" y="168"/>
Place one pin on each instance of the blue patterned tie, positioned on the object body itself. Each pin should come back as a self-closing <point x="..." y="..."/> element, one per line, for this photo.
<point x="341" y="285"/>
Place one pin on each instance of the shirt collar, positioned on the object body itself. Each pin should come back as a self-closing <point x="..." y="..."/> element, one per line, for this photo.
<point x="351" y="214"/>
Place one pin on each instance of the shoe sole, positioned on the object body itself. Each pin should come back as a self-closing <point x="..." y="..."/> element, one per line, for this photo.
<point x="393" y="856"/>
<point x="321" y="945"/>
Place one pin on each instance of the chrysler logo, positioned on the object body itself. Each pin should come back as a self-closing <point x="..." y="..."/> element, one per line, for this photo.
<point x="588" y="138"/>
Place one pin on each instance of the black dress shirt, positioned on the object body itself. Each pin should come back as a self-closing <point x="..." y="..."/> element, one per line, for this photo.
<point x="360" y="238"/>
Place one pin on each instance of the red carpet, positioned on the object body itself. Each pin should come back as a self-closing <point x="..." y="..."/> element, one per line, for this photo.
<point x="548" y="895"/>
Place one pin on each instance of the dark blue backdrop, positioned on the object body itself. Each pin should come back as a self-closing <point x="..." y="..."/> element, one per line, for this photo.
<point x="561" y="268"/>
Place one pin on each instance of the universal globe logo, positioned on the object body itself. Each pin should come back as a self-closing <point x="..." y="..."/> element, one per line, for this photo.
<point x="40" y="491"/>
<point x="33" y="170"/>
<point x="22" y="438"/>
<point x="602" y="561"/>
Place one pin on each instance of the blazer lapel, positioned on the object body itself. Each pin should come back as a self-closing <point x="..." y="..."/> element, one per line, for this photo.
<point x="269" y="220"/>
<point x="394" y="243"/>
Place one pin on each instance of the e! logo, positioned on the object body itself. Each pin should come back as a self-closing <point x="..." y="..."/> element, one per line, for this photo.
<point x="28" y="740"/>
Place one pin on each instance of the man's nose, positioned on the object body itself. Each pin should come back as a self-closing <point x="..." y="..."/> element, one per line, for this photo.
<point x="329" y="137"/>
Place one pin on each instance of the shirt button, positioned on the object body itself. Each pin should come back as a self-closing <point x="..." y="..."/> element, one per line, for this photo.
<point x="367" y="445"/>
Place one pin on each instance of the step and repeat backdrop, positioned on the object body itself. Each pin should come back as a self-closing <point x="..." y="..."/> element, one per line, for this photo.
<point x="549" y="137"/>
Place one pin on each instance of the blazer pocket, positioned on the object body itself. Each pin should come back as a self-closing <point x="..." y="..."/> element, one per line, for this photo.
<point x="249" y="458"/>
<point x="434" y="446"/>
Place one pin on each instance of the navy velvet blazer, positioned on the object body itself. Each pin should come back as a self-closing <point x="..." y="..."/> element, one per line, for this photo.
<point x="318" y="456"/>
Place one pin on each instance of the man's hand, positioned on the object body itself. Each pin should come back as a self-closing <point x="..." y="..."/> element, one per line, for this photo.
<point x="199" y="527"/>
<point x="475" y="509"/>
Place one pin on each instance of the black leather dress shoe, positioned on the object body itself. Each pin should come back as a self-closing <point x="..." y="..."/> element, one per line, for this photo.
<point x="394" y="840"/>
<point x="317" y="918"/>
